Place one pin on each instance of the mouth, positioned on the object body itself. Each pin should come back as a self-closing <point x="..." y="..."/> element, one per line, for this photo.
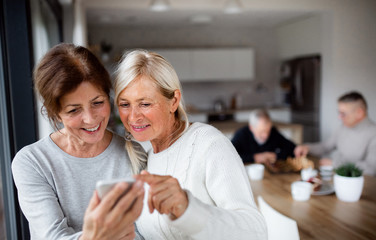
<point x="94" y="129"/>
<point x="139" y="128"/>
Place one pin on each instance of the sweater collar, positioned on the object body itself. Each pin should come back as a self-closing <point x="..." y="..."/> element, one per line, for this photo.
<point x="362" y="124"/>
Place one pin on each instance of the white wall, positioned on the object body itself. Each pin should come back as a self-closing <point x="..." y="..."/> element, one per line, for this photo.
<point x="303" y="37"/>
<point x="347" y="45"/>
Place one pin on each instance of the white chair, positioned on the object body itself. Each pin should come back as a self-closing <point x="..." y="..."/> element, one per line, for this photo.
<point x="279" y="226"/>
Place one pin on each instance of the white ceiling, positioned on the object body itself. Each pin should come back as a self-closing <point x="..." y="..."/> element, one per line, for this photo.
<point x="135" y="13"/>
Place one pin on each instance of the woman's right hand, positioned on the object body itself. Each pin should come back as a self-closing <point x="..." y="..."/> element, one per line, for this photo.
<point x="113" y="218"/>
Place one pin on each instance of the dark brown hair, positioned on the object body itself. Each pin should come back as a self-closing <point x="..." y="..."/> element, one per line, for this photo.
<point x="353" y="97"/>
<point x="62" y="70"/>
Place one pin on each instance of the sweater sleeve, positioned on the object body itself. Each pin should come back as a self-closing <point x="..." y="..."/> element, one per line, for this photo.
<point x="242" y="145"/>
<point x="325" y="147"/>
<point x="234" y="215"/>
<point x="39" y="202"/>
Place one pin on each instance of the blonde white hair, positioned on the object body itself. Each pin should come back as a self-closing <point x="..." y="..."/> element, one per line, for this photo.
<point x="152" y="65"/>
<point x="256" y="115"/>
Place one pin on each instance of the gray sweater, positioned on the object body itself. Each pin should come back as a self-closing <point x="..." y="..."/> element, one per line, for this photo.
<point x="356" y="145"/>
<point x="54" y="188"/>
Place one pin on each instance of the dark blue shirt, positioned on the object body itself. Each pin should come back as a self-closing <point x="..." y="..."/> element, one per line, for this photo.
<point x="246" y="145"/>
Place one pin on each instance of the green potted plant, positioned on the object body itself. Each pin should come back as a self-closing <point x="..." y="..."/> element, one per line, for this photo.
<point x="348" y="182"/>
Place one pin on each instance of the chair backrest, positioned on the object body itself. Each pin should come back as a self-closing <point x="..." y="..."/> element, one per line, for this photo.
<point x="279" y="226"/>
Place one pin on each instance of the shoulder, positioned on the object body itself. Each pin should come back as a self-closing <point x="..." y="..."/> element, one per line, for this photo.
<point x="118" y="143"/>
<point x="117" y="140"/>
<point x="243" y="132"/>
<point x="274" y="131"/>
<point x="372" y="125"/>
<point x="34" y="154"/>
<point x="205" y="136"/>
<point x="43" y="145"/>
<point x="203" y="130"/>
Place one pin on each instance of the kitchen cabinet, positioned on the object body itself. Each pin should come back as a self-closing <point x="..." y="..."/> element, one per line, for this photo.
<point x="212" y="64"/>
<point x="220" y="64"/>
<point x="180" y="59"/>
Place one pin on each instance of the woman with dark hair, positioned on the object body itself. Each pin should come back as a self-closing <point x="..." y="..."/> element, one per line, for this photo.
<point x="56" y="176"/>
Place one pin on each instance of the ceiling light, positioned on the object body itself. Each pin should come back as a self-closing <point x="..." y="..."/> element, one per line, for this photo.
<point x="159" y="5"/>
<point x="233" y="7"/>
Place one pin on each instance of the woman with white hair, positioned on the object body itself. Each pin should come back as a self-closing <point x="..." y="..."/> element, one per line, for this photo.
<point x="198" y="188"/>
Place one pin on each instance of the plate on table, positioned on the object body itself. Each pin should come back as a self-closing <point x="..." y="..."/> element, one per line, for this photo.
<point x="325" y="189"/>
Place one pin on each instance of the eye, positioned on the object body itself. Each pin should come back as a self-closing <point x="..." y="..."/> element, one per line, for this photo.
<point x="98" y="103"/>
<point x="124" y="105"/>
<point x="145" y="104"/>
<point x="73" y="111"/>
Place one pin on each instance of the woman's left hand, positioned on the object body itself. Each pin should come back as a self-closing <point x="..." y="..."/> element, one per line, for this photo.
<point x="165" y="194"/>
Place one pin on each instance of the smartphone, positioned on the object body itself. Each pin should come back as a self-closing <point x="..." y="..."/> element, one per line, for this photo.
<point x="104" y="186"/>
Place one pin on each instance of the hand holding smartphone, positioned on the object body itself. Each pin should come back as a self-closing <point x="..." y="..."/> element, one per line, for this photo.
<point x="104" y="186"/>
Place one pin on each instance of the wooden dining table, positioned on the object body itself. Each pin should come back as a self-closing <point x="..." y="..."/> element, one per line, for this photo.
<point x="321" y="217"/>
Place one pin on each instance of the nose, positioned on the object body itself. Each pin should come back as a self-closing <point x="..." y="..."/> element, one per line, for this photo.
<point x="134" y="114"/>
<point x="89" y="116"/>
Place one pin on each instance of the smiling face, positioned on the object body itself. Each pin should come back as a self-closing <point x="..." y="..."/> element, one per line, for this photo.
<point x="146" y="113"/>
<point x="85" y="113"/>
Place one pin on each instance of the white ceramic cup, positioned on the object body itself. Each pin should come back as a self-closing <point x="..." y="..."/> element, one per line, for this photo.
<point x="301" y="191"/>
<point x="256" y="171"/>
<point x="307" y="173"/>
<point x="326" y="172"/>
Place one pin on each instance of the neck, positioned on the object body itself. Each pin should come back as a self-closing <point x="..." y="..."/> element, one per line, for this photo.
<point x="360" y="120"/>
<point x="79" y="148"/>
<point x="174" y="131"/>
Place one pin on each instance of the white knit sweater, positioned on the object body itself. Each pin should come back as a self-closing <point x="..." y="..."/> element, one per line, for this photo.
<point x="221" y="204"/>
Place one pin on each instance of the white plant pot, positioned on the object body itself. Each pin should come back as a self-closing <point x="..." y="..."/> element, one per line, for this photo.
<point x="348" y="189"/>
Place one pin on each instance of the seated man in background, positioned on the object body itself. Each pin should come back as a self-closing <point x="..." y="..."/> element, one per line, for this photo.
<point x="260" y="142"/>
<point x="354" y="141"/>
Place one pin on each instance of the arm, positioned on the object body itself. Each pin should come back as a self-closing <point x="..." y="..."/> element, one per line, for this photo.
<point x="234" y="215"/>
<point x="37" y="197"/>
<point x="40" y="204"/>
<point x="325" y="147"/>
<point x="240" y="141"/>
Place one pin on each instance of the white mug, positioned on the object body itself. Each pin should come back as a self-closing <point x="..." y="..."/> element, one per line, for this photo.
<point x="256" y="171"/>
<point x="301" y="191"/>
<point x="307" y="173"/>
<point x="326" y="172"/>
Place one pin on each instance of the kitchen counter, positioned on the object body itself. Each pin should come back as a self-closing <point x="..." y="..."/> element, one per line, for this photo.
<point x="277" y="114"/>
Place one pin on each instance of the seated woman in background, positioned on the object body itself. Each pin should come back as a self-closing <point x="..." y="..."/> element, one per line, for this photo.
<point x="197" y="182"/>
<point x="56" y="176"/>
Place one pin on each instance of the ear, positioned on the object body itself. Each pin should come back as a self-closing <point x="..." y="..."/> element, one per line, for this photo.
<point x="175" y="101"/>
<point x="360" y="112"/>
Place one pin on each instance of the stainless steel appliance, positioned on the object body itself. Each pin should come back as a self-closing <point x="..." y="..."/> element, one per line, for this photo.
<point x="301" y="77"/>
